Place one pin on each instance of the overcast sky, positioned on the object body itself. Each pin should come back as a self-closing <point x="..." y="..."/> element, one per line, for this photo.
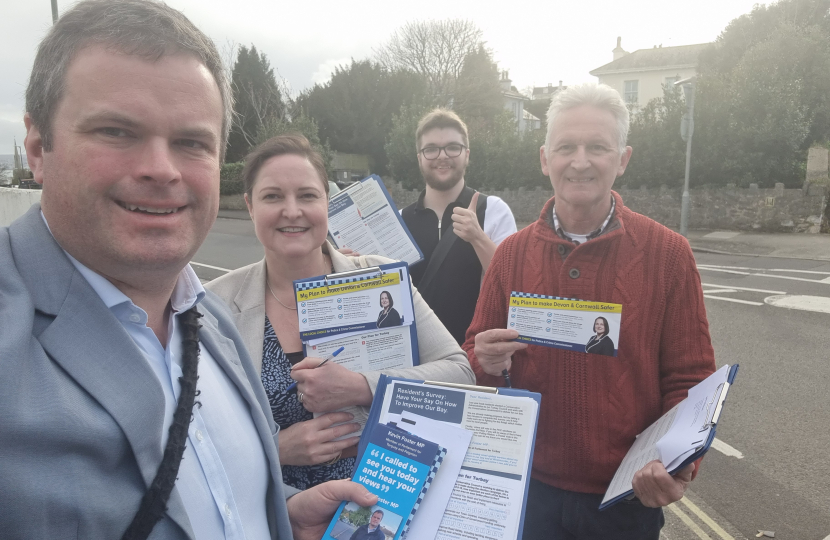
<point x="539" y="42"/>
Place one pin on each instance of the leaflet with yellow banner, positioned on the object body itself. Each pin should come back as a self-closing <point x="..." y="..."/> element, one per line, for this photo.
<point x="364" y="299"/>
<point x="566" y="323"/>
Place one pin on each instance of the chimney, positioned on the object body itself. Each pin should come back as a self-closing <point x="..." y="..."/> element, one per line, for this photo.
<point x="619" y="52"/>
<point x="504" y="82"/>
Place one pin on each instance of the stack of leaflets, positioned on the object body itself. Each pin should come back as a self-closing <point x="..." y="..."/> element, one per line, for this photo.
<point x="399" y="468"/>
<point x="362" y="319"/>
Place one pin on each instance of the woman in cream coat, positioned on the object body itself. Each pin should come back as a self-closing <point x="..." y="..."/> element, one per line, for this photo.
<point x="286" y="193"/>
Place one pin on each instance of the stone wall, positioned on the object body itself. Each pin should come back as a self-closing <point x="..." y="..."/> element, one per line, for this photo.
<point x="14" y="202"/>
<point x="723" y="208"/>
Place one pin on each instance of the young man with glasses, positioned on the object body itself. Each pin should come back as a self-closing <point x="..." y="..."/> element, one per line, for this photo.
<point x="456" y="227"/>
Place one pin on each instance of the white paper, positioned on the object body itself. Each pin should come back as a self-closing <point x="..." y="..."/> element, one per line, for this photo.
<point x="674" y="436"/>
<point x="456" y="440"/>
<point x="361" y="218"/>
<point x="488" y="496"/>
<point x="387" y="348"/>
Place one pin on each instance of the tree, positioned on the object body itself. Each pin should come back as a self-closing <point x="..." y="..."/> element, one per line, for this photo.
<point x="354" y="109"/>
<point x="659" y="151"/>
<point x="257" y="100"/>
<point x="503" y="158"/>
<point x="500" y="157"/>
<point x="301" y="124"/>
<point x="400" y="147"/>
<point x="763" y="95"/>
<point x="434" y="50"/>
<point x="360" y="516"/>
<point x="477" y="91"/>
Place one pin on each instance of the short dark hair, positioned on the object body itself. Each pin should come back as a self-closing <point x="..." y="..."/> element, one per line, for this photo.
<point x="605" y="323"/>
<point x="439" y="119"/>
<point x="281" y="145"/>
<point x="378" y="511"/>
<point x="145" y="28"/>
<point x="389" y="296"/>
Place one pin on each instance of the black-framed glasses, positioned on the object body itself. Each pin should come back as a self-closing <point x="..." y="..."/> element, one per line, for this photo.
<point x="451" y="150"/>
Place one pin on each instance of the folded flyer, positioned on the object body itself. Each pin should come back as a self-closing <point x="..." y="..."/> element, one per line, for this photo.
<point x="397" y="467"/>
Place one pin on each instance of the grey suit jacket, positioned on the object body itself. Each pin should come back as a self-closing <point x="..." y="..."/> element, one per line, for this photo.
<point x="441" y="359"/>
<point x="81" y="410"/>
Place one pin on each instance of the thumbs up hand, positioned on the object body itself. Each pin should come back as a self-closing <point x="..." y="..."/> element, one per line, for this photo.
<point x="465" y="222"/>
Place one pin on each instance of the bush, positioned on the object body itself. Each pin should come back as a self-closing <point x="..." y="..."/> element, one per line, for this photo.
<point x="230" y="179"/>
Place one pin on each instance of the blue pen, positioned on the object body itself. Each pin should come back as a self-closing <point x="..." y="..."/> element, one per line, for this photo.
<point x="293" y="386"/>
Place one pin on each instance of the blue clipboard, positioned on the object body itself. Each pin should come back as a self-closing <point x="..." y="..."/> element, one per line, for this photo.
<point x="699" y="453"/>
<point x="355" y="275"/>
<point x="377" y="405"/>
<point x="342" y="200"/>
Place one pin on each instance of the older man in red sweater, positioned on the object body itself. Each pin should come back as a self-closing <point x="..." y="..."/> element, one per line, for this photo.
<point x="588" y="245"/>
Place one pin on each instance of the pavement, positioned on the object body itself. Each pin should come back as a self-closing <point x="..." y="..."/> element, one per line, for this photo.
<point x="777" y="245"/>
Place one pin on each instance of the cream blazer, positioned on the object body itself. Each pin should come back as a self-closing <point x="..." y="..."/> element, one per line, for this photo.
<point x="441" y="359"/>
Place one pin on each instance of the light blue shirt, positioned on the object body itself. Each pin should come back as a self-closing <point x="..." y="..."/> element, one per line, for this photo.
<point x="223" y="478"/>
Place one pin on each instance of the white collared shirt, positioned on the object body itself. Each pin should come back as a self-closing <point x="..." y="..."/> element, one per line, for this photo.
<point x="223" y="477"/>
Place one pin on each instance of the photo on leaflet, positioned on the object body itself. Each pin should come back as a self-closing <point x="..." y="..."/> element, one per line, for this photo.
<point x="359" y="519"/>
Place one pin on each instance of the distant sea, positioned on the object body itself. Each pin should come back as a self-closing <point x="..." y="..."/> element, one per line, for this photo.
<point x="8" y="159"/>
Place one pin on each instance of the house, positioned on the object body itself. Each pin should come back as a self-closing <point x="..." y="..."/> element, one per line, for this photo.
<point x="546" y="92"/>
<point x="514" y="102"/>
<point x="639" y="76"/>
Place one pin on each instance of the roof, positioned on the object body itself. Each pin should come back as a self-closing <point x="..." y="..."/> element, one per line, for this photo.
<point x="658" y="58"/>
<point x="547" y="91"/>
<point x="529" y="116"/>
<point x="513" y="94"/>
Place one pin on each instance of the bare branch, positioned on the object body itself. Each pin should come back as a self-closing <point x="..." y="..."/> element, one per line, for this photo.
<point x="433" y="49"/>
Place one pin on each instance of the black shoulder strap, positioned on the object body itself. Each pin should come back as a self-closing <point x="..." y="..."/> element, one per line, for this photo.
<point x="443" y="248"/>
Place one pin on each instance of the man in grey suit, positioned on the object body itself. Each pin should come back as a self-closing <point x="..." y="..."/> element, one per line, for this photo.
<point x="101" y="354"/>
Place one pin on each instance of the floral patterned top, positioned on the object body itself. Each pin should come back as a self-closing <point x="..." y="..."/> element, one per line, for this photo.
<point x="287" y="411"/>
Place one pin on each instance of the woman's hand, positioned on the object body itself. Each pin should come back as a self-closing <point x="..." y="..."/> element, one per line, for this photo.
<point x="331" y="387"/>
<point x="312" y="442"/>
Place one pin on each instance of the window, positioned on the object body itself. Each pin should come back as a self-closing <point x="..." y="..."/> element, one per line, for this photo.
<point x="630" y="93"/>
<point x="671" y="80"/>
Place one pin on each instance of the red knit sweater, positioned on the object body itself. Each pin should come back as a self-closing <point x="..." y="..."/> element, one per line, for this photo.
<point x="593" y="406"/>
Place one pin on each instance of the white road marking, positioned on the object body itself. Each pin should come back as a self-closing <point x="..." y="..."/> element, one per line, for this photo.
<point x="211" y="266"/>
<point x="721" y="235"/>
<point x="742" y="288"/>
<point x="818" y="304"/>
<point x="765" y="269"/>
<point x="716" y="291"/>
<point x="726" y="449"/>
<point x="735" y="300"/>
<point x="827" y="537"/>
<point x="758" y="274"/>
<point x="707" y="520"/>
<point x="695" y="528"/>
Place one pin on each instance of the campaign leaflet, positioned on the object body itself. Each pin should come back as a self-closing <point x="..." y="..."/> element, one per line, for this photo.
<point x="335" y="306"/>
<point x="488" y="500"/>
<point x="397" y="467"/>
<point x="364" y="218"/>
<point x="565" y="323"/>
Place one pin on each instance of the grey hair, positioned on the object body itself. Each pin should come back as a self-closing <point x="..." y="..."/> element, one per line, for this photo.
<point x="146" y="28"/>
<point x="601" y="96"/>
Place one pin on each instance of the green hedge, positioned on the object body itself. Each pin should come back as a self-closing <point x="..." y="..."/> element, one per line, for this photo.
<point x="230" y="179"/>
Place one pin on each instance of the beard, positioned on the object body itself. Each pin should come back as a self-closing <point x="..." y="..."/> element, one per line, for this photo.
<point x="444" y="184"/>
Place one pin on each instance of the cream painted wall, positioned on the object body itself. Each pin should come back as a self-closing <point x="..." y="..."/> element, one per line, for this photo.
<point x="650" y="82"/>
<point x="14" y="203"/>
